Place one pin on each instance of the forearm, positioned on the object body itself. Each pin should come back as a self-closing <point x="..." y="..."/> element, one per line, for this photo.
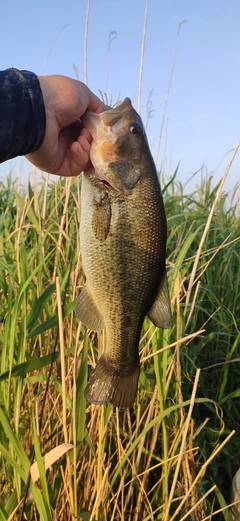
<point x="22" y="113"/>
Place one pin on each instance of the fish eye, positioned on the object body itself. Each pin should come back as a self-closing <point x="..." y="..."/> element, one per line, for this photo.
<point x="135" y="128"/>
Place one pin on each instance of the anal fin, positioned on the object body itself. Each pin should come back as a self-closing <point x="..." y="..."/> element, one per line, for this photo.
<point x="87" y="311"/>
<point x="160" y="312"/>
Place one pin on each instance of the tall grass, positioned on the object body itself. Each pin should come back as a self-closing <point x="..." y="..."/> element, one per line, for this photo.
<point x="173" y="455"/>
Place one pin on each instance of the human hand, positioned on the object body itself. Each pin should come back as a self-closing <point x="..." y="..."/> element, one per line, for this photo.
<point x="66" y="145"/>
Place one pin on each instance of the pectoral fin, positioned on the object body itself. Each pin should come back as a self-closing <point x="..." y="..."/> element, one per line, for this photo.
<point x="87" y="311"/>
<point x="160" y="312"/>
<point x="101" y="218"/>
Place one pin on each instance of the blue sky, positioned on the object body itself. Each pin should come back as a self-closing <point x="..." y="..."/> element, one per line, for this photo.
<point x="202" y="123"/>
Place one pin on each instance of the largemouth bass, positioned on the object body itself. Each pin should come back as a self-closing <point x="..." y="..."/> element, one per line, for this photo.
<point x="123" y="245"/>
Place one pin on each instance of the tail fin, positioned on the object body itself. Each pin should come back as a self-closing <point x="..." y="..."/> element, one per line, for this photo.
<point x="111" y="384"/>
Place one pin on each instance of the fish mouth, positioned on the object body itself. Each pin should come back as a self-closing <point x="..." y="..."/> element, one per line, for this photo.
<point x="106" y="128"/>
<point x="102" y="124"/>
<point x="112" y="116"/>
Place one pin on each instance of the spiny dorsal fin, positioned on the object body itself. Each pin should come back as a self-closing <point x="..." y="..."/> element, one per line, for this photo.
<point x="87" y="311"/>
<point x="160" y="312"/>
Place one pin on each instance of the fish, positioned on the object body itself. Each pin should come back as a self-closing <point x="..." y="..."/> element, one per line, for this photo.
<point x="123" y="233"/>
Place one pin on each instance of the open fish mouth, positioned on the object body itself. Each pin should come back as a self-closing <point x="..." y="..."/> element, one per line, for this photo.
<point x="111" y="116"/>
<point x="107" y="124"/>
<point x="115" y="147"/>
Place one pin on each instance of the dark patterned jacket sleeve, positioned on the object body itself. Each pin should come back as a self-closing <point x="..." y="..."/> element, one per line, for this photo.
<point x="22" y="113"/>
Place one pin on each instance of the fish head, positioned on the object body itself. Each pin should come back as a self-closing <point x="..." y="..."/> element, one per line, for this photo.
<point x="118" y="147"/>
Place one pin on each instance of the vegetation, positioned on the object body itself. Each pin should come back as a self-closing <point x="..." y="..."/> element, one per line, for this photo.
<point x="174" y="453"/>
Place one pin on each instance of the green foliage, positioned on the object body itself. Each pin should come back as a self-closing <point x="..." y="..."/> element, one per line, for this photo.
<point x="173" y="455"/>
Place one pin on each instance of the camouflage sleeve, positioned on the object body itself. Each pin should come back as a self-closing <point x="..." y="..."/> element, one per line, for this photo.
<point x="22" y="113"/>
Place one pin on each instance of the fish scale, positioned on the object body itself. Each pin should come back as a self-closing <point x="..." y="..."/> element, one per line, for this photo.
<point x="123" y="245"/>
